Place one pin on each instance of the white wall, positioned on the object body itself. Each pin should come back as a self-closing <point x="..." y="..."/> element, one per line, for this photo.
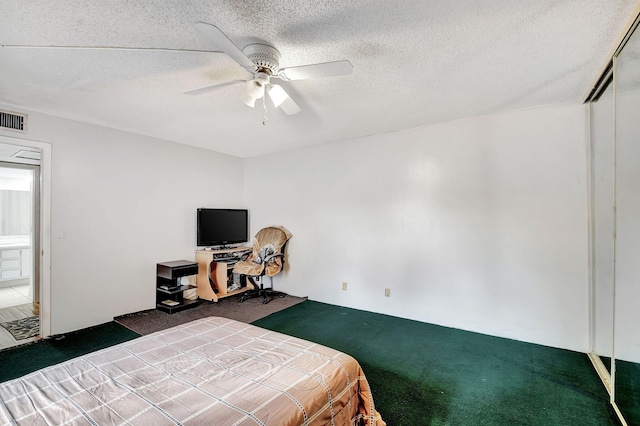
<point x="477" y="224"/>
<point x="126" y="203"/>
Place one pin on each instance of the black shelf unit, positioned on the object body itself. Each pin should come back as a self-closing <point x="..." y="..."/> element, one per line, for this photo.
<point x="168" y="275"/>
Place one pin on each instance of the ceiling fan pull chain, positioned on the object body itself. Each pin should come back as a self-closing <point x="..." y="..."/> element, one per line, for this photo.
<point x="264" y="104"/>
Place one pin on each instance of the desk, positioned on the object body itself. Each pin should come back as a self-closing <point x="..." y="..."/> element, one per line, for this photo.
<point x="215" y="276"/>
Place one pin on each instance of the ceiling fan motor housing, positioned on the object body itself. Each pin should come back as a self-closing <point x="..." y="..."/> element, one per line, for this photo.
<point x="265" y="57"/>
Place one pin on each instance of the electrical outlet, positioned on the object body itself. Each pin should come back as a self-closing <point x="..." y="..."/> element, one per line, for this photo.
<point x="387" y="292"/>
<point x="344" y="286"/>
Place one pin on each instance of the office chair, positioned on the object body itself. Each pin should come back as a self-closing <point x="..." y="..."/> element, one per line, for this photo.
<point x="266" y="259"/>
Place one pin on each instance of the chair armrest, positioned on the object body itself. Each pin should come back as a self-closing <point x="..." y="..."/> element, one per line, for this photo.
<point x="272" y="256"/>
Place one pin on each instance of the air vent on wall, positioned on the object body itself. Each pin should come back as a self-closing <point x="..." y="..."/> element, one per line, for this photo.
<point x="13" y="121"/>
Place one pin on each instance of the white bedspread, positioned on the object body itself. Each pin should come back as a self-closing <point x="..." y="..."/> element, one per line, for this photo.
<point x="212" y="371"/>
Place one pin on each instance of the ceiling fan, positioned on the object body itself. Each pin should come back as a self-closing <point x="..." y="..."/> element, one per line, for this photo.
<point x="262" y="61"/>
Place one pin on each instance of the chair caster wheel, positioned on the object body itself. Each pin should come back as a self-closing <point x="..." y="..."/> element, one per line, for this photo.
<point x="265" y="301"/>
<point x="281" y="295"/>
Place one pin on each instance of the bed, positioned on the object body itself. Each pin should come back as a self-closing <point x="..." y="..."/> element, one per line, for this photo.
<point x="212" y="371"/>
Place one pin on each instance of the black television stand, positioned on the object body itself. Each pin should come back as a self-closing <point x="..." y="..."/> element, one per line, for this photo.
<point x="169" y="292"/>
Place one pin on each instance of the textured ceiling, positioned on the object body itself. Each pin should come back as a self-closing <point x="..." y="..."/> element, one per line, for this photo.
<point x="415" y="62"/>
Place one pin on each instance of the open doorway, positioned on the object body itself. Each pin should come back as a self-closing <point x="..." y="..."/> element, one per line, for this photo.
<point x="19" y="246"/>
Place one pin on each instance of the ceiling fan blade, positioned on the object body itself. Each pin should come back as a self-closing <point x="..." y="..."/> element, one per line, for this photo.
<point x="208" y="89"/>
<point x="281" y="99"/>
<point x="326" y="69"/>
<point x="123" y="48"/>
<point x="214" y="34"/>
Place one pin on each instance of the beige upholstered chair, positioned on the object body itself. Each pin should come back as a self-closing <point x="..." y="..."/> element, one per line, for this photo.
<point x="266" y="259"/>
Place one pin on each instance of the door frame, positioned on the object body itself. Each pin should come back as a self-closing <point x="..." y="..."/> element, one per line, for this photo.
<point x="42" y="261"/>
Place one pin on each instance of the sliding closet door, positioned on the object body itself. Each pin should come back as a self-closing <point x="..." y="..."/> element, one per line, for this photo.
<point x="627" y="246"/>
<point x="602" y="132"/>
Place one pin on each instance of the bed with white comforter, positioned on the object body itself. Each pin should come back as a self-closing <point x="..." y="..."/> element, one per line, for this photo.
<point x="213" y="371"/>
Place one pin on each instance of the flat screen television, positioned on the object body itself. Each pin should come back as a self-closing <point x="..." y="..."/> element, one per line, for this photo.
<point x="220" y="227"/>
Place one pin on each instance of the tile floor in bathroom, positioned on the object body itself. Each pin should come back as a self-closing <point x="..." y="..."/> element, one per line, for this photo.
<point x="13" y="296"/>
<point x="15" y="303"/>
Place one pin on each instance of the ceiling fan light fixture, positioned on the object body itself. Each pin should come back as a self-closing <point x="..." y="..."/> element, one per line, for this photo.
<point x="254" y="89"/>
<point x="248" y="100"/>
<point x="277" y="95"/>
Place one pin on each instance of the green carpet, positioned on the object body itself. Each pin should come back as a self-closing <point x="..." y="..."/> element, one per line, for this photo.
<point x="423" y="374"/>
<point x="16" y="362"/>
<point x="420" y="374"/>
<point x="627" y="390"/>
